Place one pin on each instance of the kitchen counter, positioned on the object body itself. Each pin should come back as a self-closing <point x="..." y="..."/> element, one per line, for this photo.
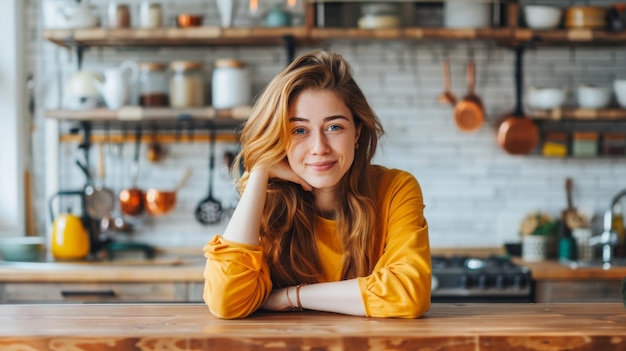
<point x="476" y="327"/>
<point x="190" y="270"/>
<point x="553" y="270"/>
<point x="157" y="270"/>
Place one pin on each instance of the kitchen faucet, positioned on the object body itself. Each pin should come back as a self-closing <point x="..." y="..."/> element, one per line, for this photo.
<point x="608" y="238"/>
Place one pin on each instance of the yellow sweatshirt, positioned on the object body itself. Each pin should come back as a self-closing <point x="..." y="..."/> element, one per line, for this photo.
<point x="237" y="277"/>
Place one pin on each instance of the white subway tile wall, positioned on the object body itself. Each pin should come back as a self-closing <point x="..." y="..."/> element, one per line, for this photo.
<point x="475" y="194"/>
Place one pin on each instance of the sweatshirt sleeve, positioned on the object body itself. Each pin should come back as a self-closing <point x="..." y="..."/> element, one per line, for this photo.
<point x="400" y="284"/>
<point x="236" y="278"/>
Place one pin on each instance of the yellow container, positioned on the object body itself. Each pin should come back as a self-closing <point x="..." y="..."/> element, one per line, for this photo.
<point x="70" y="239"/>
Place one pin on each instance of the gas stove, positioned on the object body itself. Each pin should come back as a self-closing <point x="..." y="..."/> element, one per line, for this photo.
<point x="463" y="279"/>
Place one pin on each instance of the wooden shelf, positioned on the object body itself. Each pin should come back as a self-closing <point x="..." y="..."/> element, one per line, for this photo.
<point x="135" y="113"/>
<point x="569" y="36"/>
<point x="173" y="36"/>
<point x="208" y="35"/>
<point x="580" y="114"/>
<point x="319" y="34"/>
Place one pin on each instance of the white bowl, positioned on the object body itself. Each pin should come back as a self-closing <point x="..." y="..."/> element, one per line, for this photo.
<point x="546" y="98"/>
<point x="542" y="17"/>
<point x="466" y="14"/>
<point x="619" y="86"/>
<point x="591" y="96"/>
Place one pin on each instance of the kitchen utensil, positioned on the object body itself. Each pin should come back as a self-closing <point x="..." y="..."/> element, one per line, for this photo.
<point x="570" y="216"/>
<point x="155" y="150"/>
<point x="446" y="97"/>
<point x="517" y="134"/>
<point x="131" y="199"/>
<point x="100" y="200"/>
<point x="70" y="238"/>
<point x="209" y="209"/>
<point x="22" y="248"/>
<point x="159" y="202"/>
<point x="469" y="113"/>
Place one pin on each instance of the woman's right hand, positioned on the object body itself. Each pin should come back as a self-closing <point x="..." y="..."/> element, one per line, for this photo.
<point x="282" y="170"/>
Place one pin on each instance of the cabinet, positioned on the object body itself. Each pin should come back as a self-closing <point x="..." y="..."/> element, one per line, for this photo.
<point x="557" y="291"/>
<point x="93" y="292"/>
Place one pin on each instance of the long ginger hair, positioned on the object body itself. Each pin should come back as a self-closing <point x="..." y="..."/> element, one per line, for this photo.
<point x="288" y="222"/>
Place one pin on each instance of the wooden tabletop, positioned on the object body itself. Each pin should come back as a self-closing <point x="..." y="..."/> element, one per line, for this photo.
<point x="475" y="327"/>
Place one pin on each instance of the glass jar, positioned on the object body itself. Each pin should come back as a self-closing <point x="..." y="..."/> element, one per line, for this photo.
<point x="230" y="84"/>
<point x="585" y="144"/>
<point x="186" y="84"/>
<point x="555" y="145"/>
<point x="614" y="144"/>
<point x="153" y="85"/>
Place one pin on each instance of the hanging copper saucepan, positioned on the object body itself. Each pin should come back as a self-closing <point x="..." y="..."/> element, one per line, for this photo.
<point x="159" y="202"/>
<point x="518" y="134"/>
<point x="131" y="199"/>
<point x="469" y="113"/>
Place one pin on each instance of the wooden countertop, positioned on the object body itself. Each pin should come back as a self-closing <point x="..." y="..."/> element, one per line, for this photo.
<point x="553" y="270"/>
<point x="475" y="327"/>
<point x="158" y="270"/>
<point x="190" y="270"/>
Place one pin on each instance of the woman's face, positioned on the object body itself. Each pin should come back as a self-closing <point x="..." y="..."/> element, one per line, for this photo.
<point x="323" y="138"/>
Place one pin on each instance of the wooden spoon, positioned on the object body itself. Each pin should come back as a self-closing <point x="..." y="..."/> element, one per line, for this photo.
<point x="571" y="217"/>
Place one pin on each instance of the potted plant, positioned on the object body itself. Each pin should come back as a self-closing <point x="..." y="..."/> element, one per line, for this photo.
<point x="537" y="230"/>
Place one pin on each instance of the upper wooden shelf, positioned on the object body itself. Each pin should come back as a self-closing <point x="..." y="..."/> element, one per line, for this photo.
<point x="135" y="113"/>
<point x="173" y="36"/>
<point x="580" y="114"/>
<point x="210" y="35"/>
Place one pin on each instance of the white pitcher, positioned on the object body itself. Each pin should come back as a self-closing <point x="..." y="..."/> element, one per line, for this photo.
<point x="118" y="84"/>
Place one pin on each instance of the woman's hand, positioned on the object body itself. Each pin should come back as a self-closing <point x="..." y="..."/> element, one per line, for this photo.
<point x="282" y="170"/>
<point x="277" y="301"/>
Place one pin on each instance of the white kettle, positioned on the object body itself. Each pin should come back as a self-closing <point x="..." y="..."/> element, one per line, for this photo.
<point x="118" y="84"/>
<point x="80" y="91"/>
<point x="78" y="15"/>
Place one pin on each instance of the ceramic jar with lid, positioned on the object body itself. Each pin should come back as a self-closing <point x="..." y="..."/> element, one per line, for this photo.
<point x="230" y="84"/>
<point x="379" y="15"/>
<point x="150" y="14"/>
<point x="153" y="84"/>
<point x="186" y="84"/>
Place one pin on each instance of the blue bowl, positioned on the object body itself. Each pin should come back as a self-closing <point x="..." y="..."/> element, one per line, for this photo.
<point x="22" y="248"/>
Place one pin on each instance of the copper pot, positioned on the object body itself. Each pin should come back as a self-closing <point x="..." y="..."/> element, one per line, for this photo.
<point x="132" y="201"/>
<point x="189" y="20"/>
<point x="159" y="202"/>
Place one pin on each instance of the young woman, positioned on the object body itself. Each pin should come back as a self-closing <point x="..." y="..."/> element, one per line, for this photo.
<point x="319" y="227"/>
